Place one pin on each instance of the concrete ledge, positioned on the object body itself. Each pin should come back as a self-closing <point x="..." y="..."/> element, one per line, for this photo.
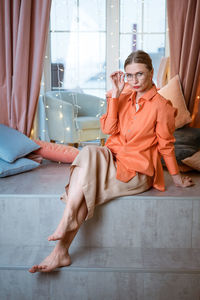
<point x="85" y="285"/>
<point x="126" y="221"/>
<point x="136" y="260"/>
<point x="51" y="177"/>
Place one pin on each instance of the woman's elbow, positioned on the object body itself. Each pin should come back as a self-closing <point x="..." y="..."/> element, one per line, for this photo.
<point x="109" y="127"/>
<point x="110" y="131"/>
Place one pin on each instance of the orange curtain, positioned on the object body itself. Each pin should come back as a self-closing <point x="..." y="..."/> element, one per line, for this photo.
<point x="184" y="37"/>
<point x="24" y="28"/>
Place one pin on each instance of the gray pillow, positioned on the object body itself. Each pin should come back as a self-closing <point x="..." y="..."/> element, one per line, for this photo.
<point x="187" y="142"/>
<point x="188" y="136"/>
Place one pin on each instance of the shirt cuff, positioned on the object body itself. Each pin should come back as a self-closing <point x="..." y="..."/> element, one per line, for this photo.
<point x="113" y="108"/>
<point x="171" y="164"/>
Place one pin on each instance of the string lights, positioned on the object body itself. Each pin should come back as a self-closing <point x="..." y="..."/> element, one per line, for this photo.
<point x="62" y="70"/>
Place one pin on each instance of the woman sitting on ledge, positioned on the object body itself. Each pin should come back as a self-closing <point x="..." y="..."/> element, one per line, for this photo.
<point x="140" y="123"/>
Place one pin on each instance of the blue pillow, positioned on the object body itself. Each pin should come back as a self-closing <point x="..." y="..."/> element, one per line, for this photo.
<point x="14" y="144"/>
<point x="19" y="166"/>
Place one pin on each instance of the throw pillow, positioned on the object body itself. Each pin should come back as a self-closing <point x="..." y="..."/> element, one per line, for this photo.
<point x="193" y="161"/>
<point x="19" y="166"/>
<point x="187" y="142"/>
<point x="188" y="136"/>
<point x="183" y="151"/>
<point x="14" y="144"/>
<point x="173" y="92"/>
<point x="56" y="152"/>
<point x="183" y="168"/>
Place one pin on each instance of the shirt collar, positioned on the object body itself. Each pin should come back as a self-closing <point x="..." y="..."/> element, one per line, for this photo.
<point x="147" y="96"/>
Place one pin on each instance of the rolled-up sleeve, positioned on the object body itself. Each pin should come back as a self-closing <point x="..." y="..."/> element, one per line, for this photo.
<point x="109" y="121"/>
<point x="165" y="128"/>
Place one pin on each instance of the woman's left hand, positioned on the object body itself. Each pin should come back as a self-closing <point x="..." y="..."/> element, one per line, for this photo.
<point x="182" y="181"/>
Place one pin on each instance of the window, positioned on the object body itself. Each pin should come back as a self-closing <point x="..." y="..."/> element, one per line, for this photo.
<point x="143" y="26"/>
<point x="78" y="45"/>
<point x="90" y="39"/>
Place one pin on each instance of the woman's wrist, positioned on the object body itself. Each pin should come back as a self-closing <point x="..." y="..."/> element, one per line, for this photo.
<point x="115" y="94"/>
<point x="176" y="178"/>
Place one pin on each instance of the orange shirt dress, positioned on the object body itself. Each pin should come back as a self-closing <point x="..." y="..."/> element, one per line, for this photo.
<point x="130" y="161"/>
<point x="139" y="138"/>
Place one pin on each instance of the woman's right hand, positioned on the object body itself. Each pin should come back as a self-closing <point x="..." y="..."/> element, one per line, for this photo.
<point x="117" y="79"/>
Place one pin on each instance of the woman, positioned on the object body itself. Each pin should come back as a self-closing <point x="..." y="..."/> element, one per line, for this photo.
<point x="140" y="123"/>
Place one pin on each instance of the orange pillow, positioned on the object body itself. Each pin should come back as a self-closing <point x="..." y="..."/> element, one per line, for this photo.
<point x="56" y="152"/>
<point x="172" y="91"/>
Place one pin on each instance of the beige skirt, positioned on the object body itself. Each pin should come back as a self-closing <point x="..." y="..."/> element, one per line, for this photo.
<point x="99" y="183"/>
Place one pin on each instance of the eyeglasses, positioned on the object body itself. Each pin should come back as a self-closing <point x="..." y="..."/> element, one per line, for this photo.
<point x="138" y="76"/>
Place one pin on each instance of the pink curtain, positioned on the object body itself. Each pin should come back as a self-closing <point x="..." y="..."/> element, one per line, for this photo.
<point x="23" y="35"/>
<point x="184" y="37"/>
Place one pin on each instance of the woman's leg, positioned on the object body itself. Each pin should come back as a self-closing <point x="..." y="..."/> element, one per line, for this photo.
<point x="68" y="221"/>
<point x="59" y="257"/>
<point x="74" y="214"/>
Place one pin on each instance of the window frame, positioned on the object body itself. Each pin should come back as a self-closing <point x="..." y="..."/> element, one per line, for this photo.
<point x="112" y="44"/>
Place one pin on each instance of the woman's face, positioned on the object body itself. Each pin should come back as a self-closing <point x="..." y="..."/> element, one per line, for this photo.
<point x="139" y="77"/>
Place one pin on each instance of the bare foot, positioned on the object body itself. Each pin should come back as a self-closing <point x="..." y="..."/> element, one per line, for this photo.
<point x="59" y="257"/>
<point x="67" y="223"/>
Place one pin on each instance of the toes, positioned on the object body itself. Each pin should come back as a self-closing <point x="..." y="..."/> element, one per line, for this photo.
<point x="50" y="238"/>
<point x="38" y="268"/>
<point x="54" y="238"/>
<point x="42" y="267"/>
<point x="33" y="269"/>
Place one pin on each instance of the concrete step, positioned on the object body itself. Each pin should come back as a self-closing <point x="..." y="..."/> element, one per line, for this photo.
<point x="145" y="247"/>
<point x="139" y="221"/>
<point x="103" y="273"/>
